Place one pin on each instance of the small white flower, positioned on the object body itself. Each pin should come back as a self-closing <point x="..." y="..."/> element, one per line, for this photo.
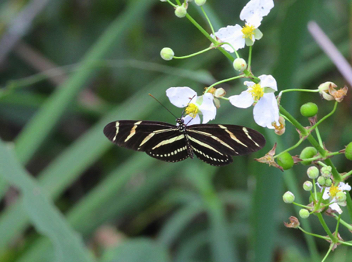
<point x="266" y="110"/>
<point x="185" y="97"/>
<point x="331" y="192"/>
<point x="238" y="36"/>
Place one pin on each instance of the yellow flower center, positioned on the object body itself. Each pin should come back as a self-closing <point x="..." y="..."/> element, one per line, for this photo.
<point x="334" y="190"/>
<point x="257" y="92"/>
<point x="248" y="31"/>
<point x="191" y="110"/>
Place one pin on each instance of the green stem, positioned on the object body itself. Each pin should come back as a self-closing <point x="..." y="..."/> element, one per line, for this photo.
<point x="291" y="148"/>
<point x="311" y="234"/>
<point x="250" y="57"/>
<point x="296" y="204"/>
<point x="209" y="37"/>
<point x="300" y="90"/>
<point x="208" y="20"/>
<point x="319" y="137"/>
<point x="326" y="228"/>
<point x="325" y="117"/>
<point x="345" y="176"/>
<point x="327" y="253"/>
<point x="223" y="81"/>
<point x="194" y="54"/>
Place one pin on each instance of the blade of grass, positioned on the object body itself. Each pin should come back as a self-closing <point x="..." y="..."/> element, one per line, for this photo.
<point x="39" y="127"/>
<point x="79" y="156"/>
<point x="45" y="217"/>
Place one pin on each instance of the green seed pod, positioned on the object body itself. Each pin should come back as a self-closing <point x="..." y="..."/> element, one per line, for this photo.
<point x="307" y="186"/>
<point x="285" y="161"/>
<point x="167" y="53"/>
<point x="200" y="2"/>
<point x="306" y="153"/>
<point x="304" y="213"/>
<point x="240" y="64"/>
<point x="309" y="109"/>
<point x="180" y="11"/>
<point x="348" y="151"/>
<point x="313" y="172"/>
<point x="288" y="197"/>
<point x="321" y="181"/>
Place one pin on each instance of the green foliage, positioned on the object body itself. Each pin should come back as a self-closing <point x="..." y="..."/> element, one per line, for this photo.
<point x="61" y="181"/>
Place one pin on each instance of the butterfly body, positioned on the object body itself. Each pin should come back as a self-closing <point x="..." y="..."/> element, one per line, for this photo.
<point x="212" y="143"/>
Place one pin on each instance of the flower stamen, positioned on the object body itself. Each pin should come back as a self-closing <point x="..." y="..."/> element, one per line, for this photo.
<point x="256" y="91"/>
<point x="334" y="190"/>
<point x="192" y="110"/>
<point x="248" y="31"/>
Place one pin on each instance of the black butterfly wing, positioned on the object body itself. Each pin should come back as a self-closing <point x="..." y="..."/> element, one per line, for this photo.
<point x="159" y="140"/>
<point x="215" y="144"/>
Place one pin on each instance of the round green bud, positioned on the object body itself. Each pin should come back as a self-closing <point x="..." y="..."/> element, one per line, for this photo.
<point x="180" y="11"/>
<point x="313" y="172"/>
<point x="309" y="109"/>
<point x="321" y="181"/>
<point x="304" y="213"/>
<point x="307" y="186"/>
<point x="285" y="160"/>
<point x="328" y="182"/>
<point x="348" y="151"/>
<point x="167" y="53"/>
<point x="288" y="197"/>
<point x="340" y="196"/>
<point x="326" y="171"/>
<point x="306" y="153"/>
<point x="200" y="2"/>
<point x="240" y="64"/>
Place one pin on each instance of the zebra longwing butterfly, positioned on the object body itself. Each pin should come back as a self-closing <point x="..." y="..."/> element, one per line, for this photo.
<point x="212" y="143"/>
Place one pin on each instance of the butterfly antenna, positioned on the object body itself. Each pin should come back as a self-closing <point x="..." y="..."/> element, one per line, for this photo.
<point x="163" y="105"/>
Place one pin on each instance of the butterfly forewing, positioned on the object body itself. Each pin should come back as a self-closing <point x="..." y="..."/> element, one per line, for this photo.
<point x="159" y="140"/>
<point x="214" y="144"/>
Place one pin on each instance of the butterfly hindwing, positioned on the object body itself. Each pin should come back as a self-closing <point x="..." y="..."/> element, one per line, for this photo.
<point x="212" y="143"/>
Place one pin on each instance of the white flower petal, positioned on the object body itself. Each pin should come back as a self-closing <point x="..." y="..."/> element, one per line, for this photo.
<point x="344" y="186"/>
<point x="255" y="10"/>
<point x="233" y="35"/>
<point x="336" y="207"/>
<point x="326" y="194"/>
<point x="188" y="120"/>
<point x="180" y="96"/>
<point x="249" y="84"/>
<point x="244" y="100"/>
<point x="208" y="108"/>
<point x="266" y="111"/>
<point x="268" y="82"/>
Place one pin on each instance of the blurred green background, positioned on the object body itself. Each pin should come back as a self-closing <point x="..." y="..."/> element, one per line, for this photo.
<point x="69" y="67"/>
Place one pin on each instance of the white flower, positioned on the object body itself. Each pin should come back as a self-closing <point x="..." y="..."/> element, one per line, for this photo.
<point x="332" y="194"/>
<point x="266" y="110"/>
<point x="186" y="97"/>
<point x="238" y="36"/>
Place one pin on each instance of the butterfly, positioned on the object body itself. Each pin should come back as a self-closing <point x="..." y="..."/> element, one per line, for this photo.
<point x="214" y="144"/>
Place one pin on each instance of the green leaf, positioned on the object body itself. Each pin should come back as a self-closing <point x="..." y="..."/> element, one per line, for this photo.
<point x="42" y="212"/>
<point x="137" y="250"/>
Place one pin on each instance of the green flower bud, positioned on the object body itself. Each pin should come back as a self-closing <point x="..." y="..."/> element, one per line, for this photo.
<point x="167" y="53"/>
<point x="306" y="153"/>
<point x="307" y="186"/>
<point x="348" y="151"/>
<point x="313" y="172"/>
<point x="340" y="196"/>
<point x="304" y="213"/>
<point x="181" y="11"/>
<point x="321" y="181"/>
<point x="240" y="64"/>
<point x="200" y="2"/>
<point x="328" y="182"/>
<point x="309" y="109"/>
<point x="288" y="197"/>
<point x="285" y="160"/>
<point x="326" y="171"/>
